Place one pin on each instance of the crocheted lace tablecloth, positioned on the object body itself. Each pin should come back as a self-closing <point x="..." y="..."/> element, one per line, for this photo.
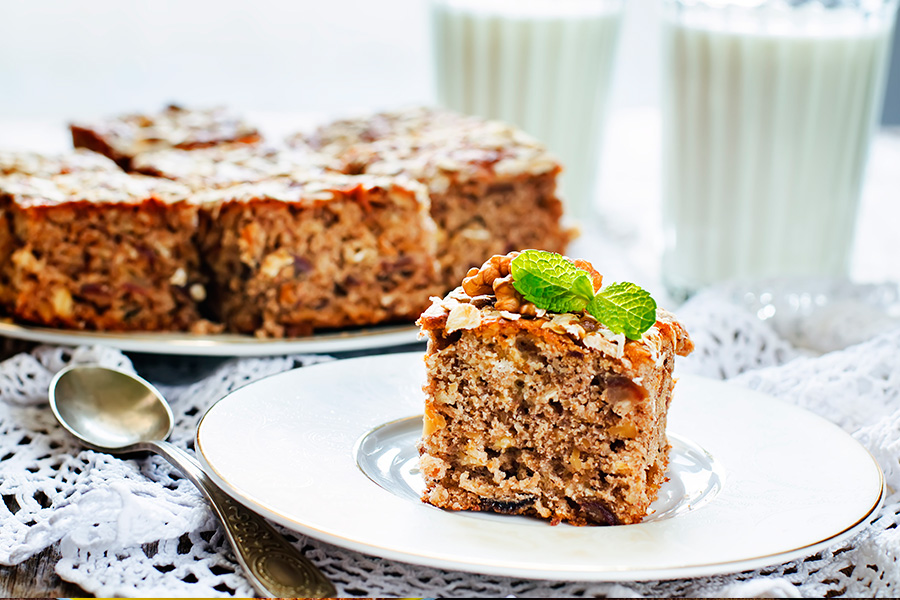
<point x="136" y="528"/>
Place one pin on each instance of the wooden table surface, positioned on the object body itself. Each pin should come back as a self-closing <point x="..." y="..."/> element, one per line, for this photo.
<point x="35" y="578"/>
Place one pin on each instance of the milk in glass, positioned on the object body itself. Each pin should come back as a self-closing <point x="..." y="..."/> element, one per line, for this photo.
<point x="543" y="65"/>
<point x="768" y="116"/>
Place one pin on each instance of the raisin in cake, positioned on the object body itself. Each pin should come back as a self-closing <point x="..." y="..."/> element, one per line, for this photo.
<point x="492" y="187"/>
<point x="99" y="250"/>
<point x="290" y="257"/>
<point x="123" y="137"/>
<point x="549" y="415"/>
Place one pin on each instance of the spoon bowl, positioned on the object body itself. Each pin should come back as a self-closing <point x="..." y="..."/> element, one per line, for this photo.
<point x="120" y="413"/>
<point x="110" y="410"/>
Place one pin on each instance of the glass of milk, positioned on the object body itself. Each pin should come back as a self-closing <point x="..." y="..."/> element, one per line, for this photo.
<point x="768" y="113"/>
<point x="543" y="65"/>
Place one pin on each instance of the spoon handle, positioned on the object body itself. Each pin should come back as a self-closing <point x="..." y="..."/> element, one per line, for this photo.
<point x="275" y="568"/>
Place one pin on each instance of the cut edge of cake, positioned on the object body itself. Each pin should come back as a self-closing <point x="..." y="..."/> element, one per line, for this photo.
<point x="548" y="415"/>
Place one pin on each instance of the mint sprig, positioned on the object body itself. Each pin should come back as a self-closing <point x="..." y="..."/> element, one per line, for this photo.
<point x="624" y="308"/>
<point x="552" y="282"/>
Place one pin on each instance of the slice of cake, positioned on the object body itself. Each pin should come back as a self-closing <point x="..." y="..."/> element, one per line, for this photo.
<point x="492" y="187"/>
<point x="290" y="257"/>
<point x="123" y="137"/>
<point x="551" y="415"/>
<point x="99" y="250"/>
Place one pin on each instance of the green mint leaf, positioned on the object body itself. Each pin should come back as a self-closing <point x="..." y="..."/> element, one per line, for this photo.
<point x="624" y="308"/>
<point x="551" y="281"/>
<point x="554" y="283"/>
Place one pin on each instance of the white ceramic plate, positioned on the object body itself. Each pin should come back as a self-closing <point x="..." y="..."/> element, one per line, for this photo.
<point x="328" y="451"/>
<point x="368" y="338"/>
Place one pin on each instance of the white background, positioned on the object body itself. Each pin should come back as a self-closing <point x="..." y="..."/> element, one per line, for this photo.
<point x="67" y="59"/>
<point x="87" y="58"/>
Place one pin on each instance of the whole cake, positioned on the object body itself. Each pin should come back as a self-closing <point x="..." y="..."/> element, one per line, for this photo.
<point x="553" y="413"/>
<point x="492" y="187"/>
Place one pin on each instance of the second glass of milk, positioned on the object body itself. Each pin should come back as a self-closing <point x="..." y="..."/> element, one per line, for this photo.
<point x="543" y="65"/>
<point x="768" y="113"/>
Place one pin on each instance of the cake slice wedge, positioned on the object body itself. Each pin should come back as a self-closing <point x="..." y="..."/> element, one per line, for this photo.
<point x="550" y="415"/>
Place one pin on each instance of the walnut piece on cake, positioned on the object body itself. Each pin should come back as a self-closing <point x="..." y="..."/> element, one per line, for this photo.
<point x="492" y="187"/>
<point x="123" y="137"/>
<point x="549" y="415"/>
<point x="100" y="250"/>
<point x="291" y="257"/>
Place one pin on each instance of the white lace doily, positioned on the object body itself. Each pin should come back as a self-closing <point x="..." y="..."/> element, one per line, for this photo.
<point x="136" y="528"/>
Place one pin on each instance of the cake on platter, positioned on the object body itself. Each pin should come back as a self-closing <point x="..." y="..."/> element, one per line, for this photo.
<point x="205" y="227"/>
<point x="547" y="393"/>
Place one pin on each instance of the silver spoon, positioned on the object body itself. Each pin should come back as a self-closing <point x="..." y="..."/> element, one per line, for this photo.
<point x="118" y="413"/>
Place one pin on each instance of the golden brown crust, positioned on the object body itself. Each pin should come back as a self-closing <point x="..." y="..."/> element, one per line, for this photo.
<point x="666" y="335"/>
<point x="90" y="189"/>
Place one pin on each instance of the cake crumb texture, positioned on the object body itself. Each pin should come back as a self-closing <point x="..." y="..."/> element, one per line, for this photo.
<point x="99" y="250"/>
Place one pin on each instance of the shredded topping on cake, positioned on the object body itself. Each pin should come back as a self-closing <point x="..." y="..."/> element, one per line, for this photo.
<point x="40" y="165"/>
<point x="324" y="187"/>
<point x="430" y="145"/>
<point x="222" y="166"/>
<point x="173" y="127"/>
<point x="98" y="187"/>
<point x="484" y="298"/>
